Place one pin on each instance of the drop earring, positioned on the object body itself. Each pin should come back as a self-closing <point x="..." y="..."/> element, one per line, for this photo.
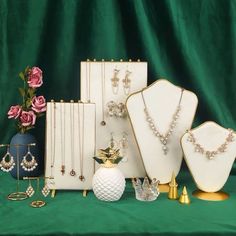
<point x="45" y="190"/>
<point x="30" y="191"/>
<point x="28" y="162"/>
<point x="115" y="82"/>
<point x="111" y="108"/>
<point x="7" y="163"/>
<point x="127" y="82"/>
<point x="124" y="146"/>
<point x="113" y="143"/>
<point x="121" y="110"/>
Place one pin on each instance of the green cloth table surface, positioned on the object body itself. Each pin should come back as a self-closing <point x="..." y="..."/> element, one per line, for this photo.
<point x="69" y="213"/>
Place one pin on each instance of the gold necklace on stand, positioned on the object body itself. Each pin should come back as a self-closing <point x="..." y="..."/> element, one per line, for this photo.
<point x="53" y="135"/>
<point x="62" y="111"/>
<point x="72" y="172"/>
<point x="81" y="140"/>
<point x="88" y="79"/>
<point x="163" y="137"/>
<point x="211" y="154"/>
<point x="103" y="122"/>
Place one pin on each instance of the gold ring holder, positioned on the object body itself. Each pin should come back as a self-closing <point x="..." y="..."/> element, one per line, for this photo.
<point x="18" y="196"/>
<point x="216" y="196"/>
<point x="38" y="203"/>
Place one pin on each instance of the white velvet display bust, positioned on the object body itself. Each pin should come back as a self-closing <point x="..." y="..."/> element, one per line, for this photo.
<point x="210" y="175"/>
<point x="161" y="99"/>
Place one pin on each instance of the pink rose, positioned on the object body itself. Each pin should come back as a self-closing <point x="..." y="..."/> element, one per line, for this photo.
<point x="27" y="118"/>
<point x="39" y="104"/>
<point x="35" y="78"/>
<point x="14" y="112"/>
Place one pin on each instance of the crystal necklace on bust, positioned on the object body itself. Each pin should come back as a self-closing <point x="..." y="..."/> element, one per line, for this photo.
<point x="211" y="154"/>
<point x="163" y="137"/>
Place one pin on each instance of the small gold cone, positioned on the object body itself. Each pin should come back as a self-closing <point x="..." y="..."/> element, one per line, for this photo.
<point x="184" y="198"/>
<point x="173" y="191"/>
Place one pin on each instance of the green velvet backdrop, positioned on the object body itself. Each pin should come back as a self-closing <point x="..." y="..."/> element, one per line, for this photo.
<point x="190" y="42"/>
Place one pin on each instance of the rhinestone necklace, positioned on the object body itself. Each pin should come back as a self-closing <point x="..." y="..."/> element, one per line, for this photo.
<point x="211" y="154"/>
<point x="163" y="137"/>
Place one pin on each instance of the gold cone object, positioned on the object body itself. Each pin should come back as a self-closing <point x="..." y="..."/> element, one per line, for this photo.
<point x="173" y="191"/>
<point x="184" y="198"/>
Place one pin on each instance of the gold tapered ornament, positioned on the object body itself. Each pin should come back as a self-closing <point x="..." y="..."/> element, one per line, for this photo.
<point x="184" y="198"/>
<point x="173" y="191"/>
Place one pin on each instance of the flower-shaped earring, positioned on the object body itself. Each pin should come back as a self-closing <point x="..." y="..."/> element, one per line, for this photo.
<point x="7" y="163"/>
<point x="28" y="162"/>
<point x="111" y="108"/>
<point x="121" y="110"/>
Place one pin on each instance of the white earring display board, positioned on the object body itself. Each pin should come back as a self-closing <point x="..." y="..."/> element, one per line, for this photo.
<point x="96" y="86"/>
<point x="70" y="141"/>
<point x="161" y="100"/>
<point x="210" y="175"/>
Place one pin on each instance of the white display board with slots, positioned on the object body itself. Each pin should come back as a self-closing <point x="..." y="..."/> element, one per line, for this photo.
<point x="108" y="84"/>
<point x="70" y="145"/>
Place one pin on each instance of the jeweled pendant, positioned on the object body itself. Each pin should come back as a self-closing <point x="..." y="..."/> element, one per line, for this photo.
<point x="72" y="173"/>
<point x="81" y="177"/>
<point x="103" y="123"/>
<point x="165" y="149"/>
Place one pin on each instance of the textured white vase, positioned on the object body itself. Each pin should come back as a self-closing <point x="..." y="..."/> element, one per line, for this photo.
<point x="108" y="183"/>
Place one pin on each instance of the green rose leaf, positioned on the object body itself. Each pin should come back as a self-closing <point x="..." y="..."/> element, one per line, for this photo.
<point x="22" y="92"/>
<point x="22" y="76"/>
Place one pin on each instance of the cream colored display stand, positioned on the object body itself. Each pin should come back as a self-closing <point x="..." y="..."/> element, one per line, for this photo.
<point x="96" y="86"/>
<point x="162" y="99"/>
<point x="68" y="128"/>
<point x="210" y="175"/>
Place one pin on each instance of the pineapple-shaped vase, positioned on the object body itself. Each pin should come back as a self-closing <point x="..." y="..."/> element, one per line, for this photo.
<point x="108" y="181"/>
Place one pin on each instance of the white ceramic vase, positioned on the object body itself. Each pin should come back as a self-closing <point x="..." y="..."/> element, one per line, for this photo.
<point x="108" y="183"/>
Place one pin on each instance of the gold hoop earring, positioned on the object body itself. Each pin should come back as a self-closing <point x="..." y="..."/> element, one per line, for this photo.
<point x="7" y="163"/>
<point x="28" y="165"/>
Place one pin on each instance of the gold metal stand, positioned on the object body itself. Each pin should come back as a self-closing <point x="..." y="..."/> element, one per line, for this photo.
<point x="163" y="188"/>
<point x="217" y="196"/>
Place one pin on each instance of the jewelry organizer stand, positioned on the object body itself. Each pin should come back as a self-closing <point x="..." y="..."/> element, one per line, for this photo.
<point x="96" y="86"/>
<point x="37" y="203"/>
<point x="17" y="196"/>
<point x="70" y="145"/>
<point x="161" y="100"/>
<point x="210" y="175"/>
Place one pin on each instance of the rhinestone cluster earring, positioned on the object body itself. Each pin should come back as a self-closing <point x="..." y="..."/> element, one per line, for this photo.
<point x="116" y="110"/>
<point x="7" y="163"/>
<point x="124" y="146"/>
<point x="28" y="162"/>
<point x="115" y="82"/>
<point x="127" y="82"/>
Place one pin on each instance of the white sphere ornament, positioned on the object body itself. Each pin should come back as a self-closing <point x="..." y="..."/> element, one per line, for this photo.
<point x="108" y="181"/>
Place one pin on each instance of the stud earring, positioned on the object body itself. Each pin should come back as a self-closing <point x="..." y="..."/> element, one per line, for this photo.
<point x="7" y="163"/>
<point x="124" y="146"/>
<point x="111" y="108"/>
<point x="115" y="82"/>
<point x="30" y="191"/>
<point x="28" y="162"/>
<point x="121" y="110"/>
<point x="45" y="190"/>
<point x="127" y="82"/>
<point x="113" y="143"/>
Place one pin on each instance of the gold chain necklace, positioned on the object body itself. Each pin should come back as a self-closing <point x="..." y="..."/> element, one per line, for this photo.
<point x="53" y="131"/>
<point x="81" y="140"/>
<point x="62" y="111"/>
<point x="163" y="137"/>
<point x="103" y="122"/>
<point x="211" y="154"/>
<point x="72" y="172"/>
<point x="88" y="76"/>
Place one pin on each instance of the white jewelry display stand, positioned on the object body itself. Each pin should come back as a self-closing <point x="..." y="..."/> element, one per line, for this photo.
<point x="54" y="155"/>
<point x="210" y="175"/>
<point x="162" y="99"/>
<point x="97" y="87"/>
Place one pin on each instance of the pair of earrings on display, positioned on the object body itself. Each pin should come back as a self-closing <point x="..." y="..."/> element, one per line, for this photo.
<point x="116" y="110"/>
<point x="28" y="162"/>
<point x="30" y="190"/>
<point x="122" y="144"/>
<point x="126" y="82"/>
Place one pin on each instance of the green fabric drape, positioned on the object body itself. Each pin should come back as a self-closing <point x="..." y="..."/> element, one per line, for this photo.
<point x="191" y="43"/>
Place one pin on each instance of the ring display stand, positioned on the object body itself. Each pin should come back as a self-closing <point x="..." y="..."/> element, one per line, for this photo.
<point x="210" y="172"/>
<point x="17" y="196"/>
<point x="162" y="99"/>
<point x="110" y="82"/>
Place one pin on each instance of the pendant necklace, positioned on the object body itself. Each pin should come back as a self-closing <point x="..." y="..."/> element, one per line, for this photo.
<point x="163" y="138"/>
<point x="72" y="172"/>
<point x="53" y="131"/>
<point x="62" y="137"/>
<point x="103" y="122"/>
<point x="81" y="140"/>
<point x="88" y="73"/>
<point x="211" y="154"/>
